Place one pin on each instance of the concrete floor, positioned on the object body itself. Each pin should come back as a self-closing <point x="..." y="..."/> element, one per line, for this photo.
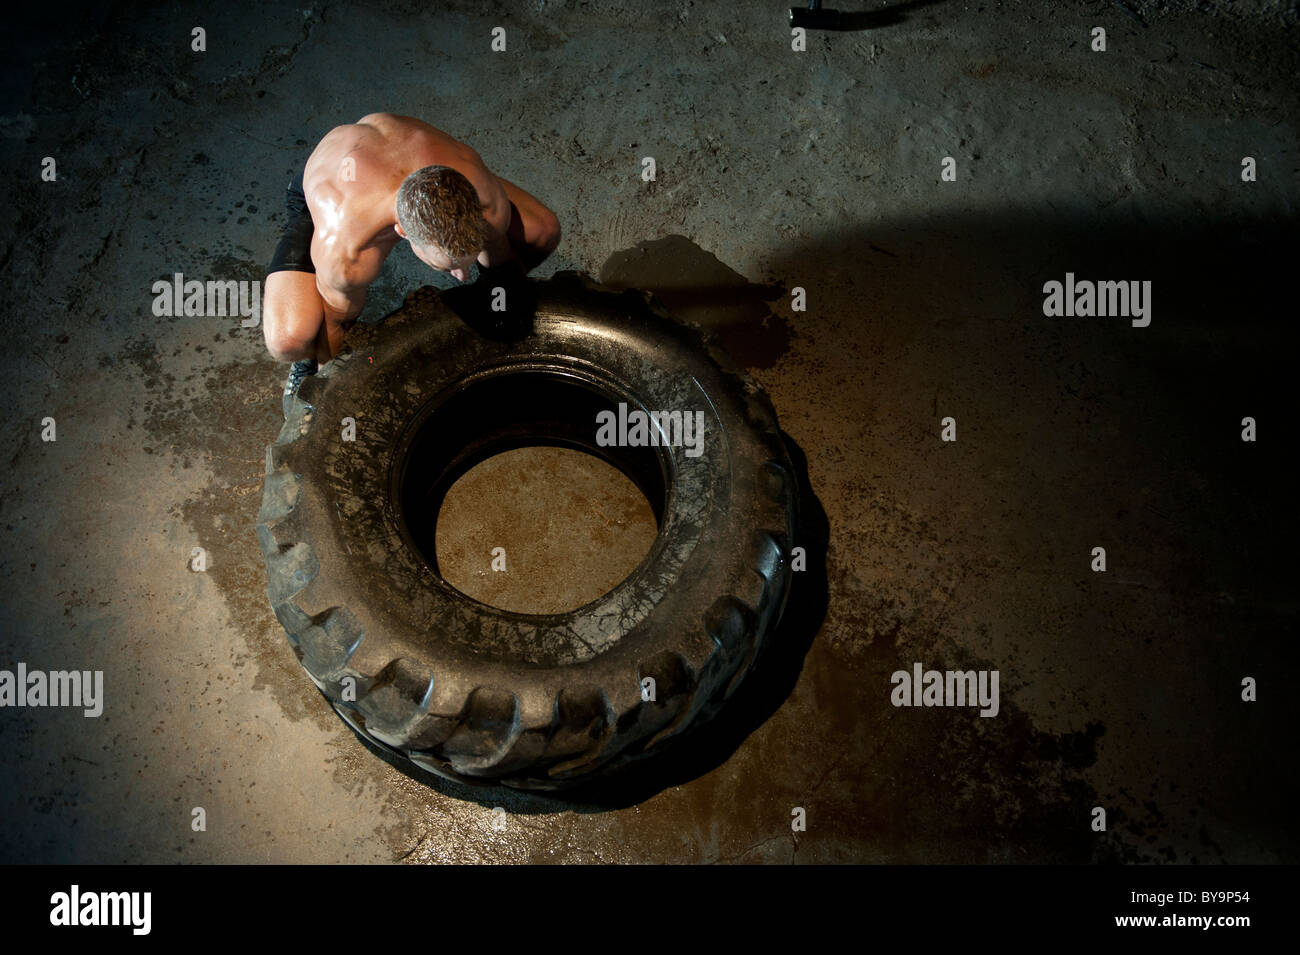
<point x="818" y="170"/>
<point x="569" y="526"/>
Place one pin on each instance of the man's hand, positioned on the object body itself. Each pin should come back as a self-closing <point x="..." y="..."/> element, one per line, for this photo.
<point x="497" y="251"/>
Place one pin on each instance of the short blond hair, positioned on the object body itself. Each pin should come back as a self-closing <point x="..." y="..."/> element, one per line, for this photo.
<point x="438" y="206"/>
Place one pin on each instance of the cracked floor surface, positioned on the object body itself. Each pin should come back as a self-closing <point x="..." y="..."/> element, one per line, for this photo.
<point x="818" y="171"/>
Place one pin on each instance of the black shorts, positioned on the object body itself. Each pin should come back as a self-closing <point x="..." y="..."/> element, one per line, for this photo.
<point x="293" y="254"/>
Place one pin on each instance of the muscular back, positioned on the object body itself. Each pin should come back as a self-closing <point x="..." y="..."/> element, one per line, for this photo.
<point x="351" y="182"/>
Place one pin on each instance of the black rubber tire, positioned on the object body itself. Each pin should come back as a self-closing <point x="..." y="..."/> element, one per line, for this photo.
<point x="478" y="694"/>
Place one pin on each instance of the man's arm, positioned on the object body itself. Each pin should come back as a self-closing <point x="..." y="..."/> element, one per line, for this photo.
<point x="342" y="287"/>
<point x="497" y="251"/>
<point x="524" y="230"/>
<point x="340" y="315"/>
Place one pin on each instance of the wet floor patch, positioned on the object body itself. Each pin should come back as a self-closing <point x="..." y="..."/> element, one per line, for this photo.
<point x="222" y="418"/>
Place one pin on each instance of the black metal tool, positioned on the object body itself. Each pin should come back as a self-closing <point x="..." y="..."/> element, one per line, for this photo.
<point x="814" y="17"/>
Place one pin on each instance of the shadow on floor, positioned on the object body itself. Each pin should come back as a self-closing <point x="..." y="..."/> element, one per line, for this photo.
<point x="1072" y="429"/>
<point x="845" y="21"/>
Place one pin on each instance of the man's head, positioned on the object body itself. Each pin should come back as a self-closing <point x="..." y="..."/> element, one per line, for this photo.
<point x="439" y="212"/>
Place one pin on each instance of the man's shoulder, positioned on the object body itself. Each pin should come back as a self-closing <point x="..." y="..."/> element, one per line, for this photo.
<point x="384" y="121"/>
<point x="397" y="126"/>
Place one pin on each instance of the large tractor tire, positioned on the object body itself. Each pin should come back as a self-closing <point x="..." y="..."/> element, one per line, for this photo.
<point x="482" y="695"/>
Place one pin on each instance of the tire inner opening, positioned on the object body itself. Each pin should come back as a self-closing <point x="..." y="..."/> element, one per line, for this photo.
<point x="505" y="473"/>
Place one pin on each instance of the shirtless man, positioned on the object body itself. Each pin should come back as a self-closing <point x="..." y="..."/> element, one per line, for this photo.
<point x="365" y="188"/>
